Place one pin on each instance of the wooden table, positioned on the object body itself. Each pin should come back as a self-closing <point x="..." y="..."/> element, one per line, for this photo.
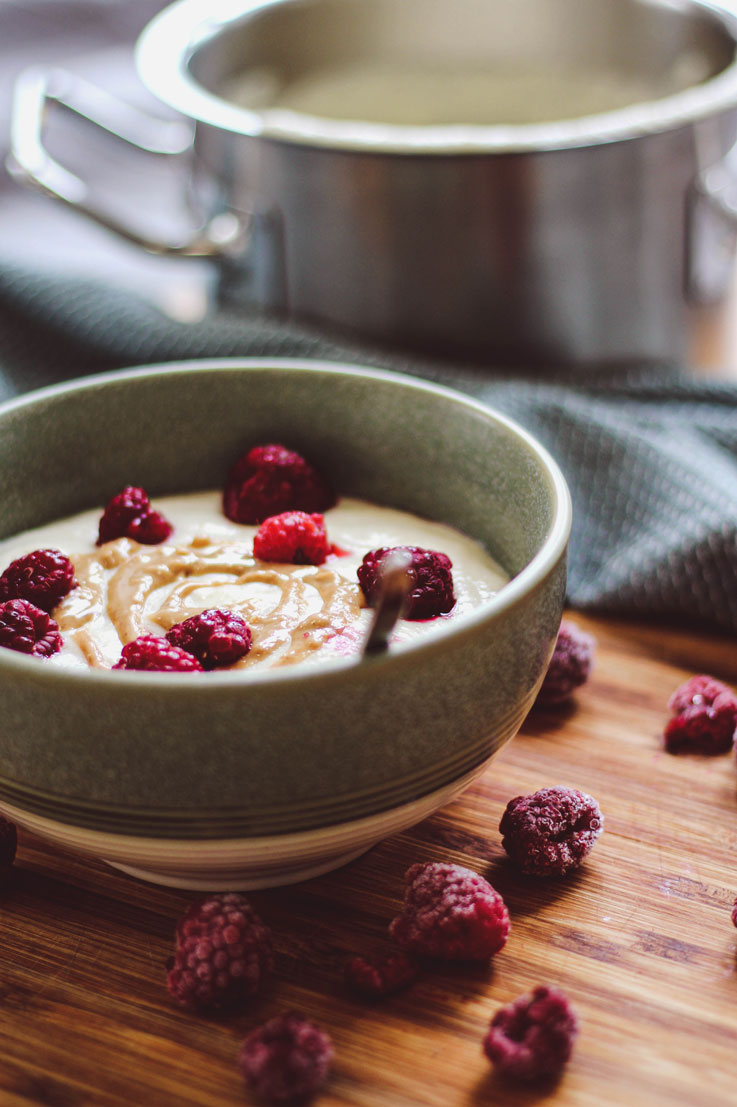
<point x="640" y="938"/>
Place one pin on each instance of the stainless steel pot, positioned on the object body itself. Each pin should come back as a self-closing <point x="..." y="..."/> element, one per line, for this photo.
<point x="574" y="241"/>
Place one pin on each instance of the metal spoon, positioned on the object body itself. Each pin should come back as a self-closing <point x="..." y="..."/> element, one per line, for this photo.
<point x="395" y="585"/>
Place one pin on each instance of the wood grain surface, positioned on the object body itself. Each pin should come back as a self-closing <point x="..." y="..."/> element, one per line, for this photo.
<point x="640" y="937"/>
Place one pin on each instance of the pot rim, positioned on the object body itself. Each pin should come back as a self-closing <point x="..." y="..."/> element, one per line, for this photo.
<point x="526" y="582"/>
<point x="168" y="43"/>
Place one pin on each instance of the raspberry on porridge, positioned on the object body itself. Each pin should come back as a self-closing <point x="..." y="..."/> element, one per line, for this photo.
<point x="156" y="655"/>
<point x="43" y="577"/>
<point x="432" y="591"/>
<point x="214" y="637"/>
<point x="268" y="480"/>
<point x="27" y="629"/>
<point x="129" y="515"/>
<point x="294" y="537"/>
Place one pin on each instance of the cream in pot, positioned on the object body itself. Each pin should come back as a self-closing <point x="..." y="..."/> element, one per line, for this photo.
<point x="437" y="95"/>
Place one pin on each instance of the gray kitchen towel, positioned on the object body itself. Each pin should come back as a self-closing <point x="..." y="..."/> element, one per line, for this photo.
<point x="650" y="456"/>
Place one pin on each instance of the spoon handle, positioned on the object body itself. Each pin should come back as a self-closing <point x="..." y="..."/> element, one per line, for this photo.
<point x="396" y="583"/>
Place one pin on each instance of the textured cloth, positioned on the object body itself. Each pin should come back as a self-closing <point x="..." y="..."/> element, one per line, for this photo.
<point x="650" y="457"/>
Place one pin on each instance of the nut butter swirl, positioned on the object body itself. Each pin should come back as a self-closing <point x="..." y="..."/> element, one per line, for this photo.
<point x="292" y="610"/>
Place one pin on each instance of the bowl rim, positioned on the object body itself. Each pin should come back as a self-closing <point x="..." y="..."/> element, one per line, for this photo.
<point x="169" y="41"/>
<point x="513" y="592"/>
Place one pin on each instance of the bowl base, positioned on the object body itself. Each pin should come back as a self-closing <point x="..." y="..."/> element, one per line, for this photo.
<point x="240" y="880"/>
<point x="227" y="864"/>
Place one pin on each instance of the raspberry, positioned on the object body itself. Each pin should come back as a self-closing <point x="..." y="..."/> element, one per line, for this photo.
<point x="734" y="913"/>
<point x="294" y="537"/>
<point x="222" y="953"/>
<point x="450" y="912"/>
<point x="153" y="654"/>
<point x="550" y="832"/>
<point x="287" y="1059"/>
<point x="150" y="529"/>
<point x="214" y="637"/>
<point x="704" y="717"/>
<point x="570" y="664"/>
<point x="8" y="843"/>
<point x="42" y="577"/>
<point x="432" y="592"/>
<point x="374" y="979"/>
<point x="268" y="480"/>
<point x="28" y="629"/>
<point x="533" y="1037"/>
<point x="129" y="515"/>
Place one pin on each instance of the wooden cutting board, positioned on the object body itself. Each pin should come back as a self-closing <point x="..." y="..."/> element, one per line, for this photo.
<point x="640" y="938"/>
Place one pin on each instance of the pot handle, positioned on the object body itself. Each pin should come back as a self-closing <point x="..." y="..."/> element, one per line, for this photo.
<point x="711" y="237"/>
<point x="31" y="164"/>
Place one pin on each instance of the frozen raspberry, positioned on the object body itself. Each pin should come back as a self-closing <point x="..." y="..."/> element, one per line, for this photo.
<point x="293" y="537"/>
<point x="287" y="1060"/>
<point x="269" y="480"/>
<point x="704" y="717"/>
<point x="28" y="629"/>
<point x="374" y="979"/>
<point x="222" y="953"/>
<point x="130" y="515"/>
<point x="153" y="654"/>
<point x="550" y="832"/>
<point x="432" y="592"/>
<point x="43" y="578"/>
<point x="450" y="912"/>
<point x="214" y="637"/>
<point x="533" y="1037"/>
<point x="8" y="843"/>
<point x="570" y="664"/>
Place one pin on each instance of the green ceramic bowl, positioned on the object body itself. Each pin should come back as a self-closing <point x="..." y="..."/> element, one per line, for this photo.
<point x="263" y="778"/>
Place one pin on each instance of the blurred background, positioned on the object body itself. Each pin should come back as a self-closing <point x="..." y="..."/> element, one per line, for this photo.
<point x="650" y="462"/>
<point x="93" y="38"/>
